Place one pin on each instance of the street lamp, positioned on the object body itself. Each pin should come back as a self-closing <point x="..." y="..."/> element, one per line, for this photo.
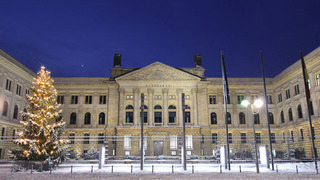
<point x="257" y="104"/>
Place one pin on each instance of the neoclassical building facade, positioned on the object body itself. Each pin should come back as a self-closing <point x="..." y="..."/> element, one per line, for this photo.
<point x="107" y="110"/>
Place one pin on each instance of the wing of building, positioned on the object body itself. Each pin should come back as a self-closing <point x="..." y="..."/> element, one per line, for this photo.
<point x="107" y="110"/>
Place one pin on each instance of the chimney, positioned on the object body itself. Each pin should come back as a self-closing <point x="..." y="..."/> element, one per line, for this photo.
<point x="117" y="60"/>
<point x="197" y="60"/>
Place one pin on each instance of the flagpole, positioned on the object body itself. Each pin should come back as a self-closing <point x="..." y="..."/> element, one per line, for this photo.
<point x="267" y="111"/>
<point x="307" y="91"/>
<point x="226" y="93"/>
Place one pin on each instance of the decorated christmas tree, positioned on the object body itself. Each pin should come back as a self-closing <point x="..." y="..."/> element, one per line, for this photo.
<point x="40" y="138"/>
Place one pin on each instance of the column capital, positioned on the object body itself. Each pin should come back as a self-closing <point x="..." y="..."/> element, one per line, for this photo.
<point x="165" y="91"/>
<point x="136" y="90"/>
<point x="150" y="90"/>
<point x="179" y="90"/>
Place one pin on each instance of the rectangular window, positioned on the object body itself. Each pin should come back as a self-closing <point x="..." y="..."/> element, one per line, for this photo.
<point x="283" y="138"/>
<point x="317" y="78"/>
<point x="74" y="99"/>
<point x="292" y="137"/>
<point x="230" y="138"/>
<point x="127" y="142"/>
<point x="86" y="139"/>
<point x="269" y="99"/>
<point x="240" y="98"/>
<point x="102" y="99"/>
<point x="280" y="97"/>
<point x="129" y="117"/>
<point x="301" y="135"/>
<point x="172" y="117"/>
<point x="8" y="85"/>
<point x="296" y="89"/>
<point x="258" y="138"/>
<point x="18" y="90"/>
<point x="214" y="138"/>
<point x="187" y="117"/>
<point x="71" y="138"/>
<point x="287" y="93"/>
<point x="243" y="138"/>
<point x="228" y="99"/>
<point x="188" y="141"/>
<point x="101" y="138"/>
<point x="145" y="117"/>
<point x="88" y="100"/>
<point x="27" y="92"/>
<point x="273" y="137"/>
<point x="173" y="142"/>
<point x="60" y="99"/>
<point x="212" y="99"/>
<point x="144" y="143"/>
<point x="157" y="117"/>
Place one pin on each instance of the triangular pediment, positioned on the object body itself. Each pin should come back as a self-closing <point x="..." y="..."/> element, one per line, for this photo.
<point x="158" y="71"/>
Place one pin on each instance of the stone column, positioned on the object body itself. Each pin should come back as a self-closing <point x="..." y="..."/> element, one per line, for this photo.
<point x="121" y="107"/>
<point x="150" y="106"/>
<point x="136" y="108"/>
<point x="195" y="106"/>
<point x="165" y="106"/>
<point x="179" y="92"/>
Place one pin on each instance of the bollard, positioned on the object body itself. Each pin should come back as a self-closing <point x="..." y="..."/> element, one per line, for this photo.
<point x="297" y="169"/>
<point x="131" y="168"/>
<point x="31" y="168"/>
<point x="277" y="168"/>
<point x="50" y="169"/>
<point x="71" y="168"/>
<point x="172" y="169"/>
<point x="92" y="169"/>
<point x="240" y="168"/>
<point x="152" y="168"/>
<point x="112" y="169"/>
<point x="220" y="169"/>
<point x="192" y="169"/>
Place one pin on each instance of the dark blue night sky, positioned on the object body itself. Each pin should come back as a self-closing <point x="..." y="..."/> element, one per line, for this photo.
<point x="79" y="38"/>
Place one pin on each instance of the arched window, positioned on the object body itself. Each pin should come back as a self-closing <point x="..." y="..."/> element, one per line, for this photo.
<point x="229" y="118"/>
<point x="5" y="108"/>
<point x="299" y="111"/>
<point x="271" y="119"/>
<point x="145" y="114"/>
<point x="158" y="114"/>
<point x="73" y="118"/>
<point x="290" y="114"/>
<point x="187" y="118"/>
<point x="15" y="112"/>
<point x="256" y="118"/>
<point x="214" y="118"/>
<point x="242" y="118"/>
<point x="282" y="117"/>
<point x="311" y="108"/>
<point x="87" y="118"/>
<point x="129" y="114"/>
<point x="129" y="107"/>
<point x="102" y="118"/>
<point x="172" y="114"/>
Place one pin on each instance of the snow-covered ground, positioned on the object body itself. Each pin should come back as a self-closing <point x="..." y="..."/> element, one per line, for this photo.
<point x="164" y="171"/>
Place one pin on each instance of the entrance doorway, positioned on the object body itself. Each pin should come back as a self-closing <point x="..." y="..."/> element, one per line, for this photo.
<point x="158" y="148"/>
